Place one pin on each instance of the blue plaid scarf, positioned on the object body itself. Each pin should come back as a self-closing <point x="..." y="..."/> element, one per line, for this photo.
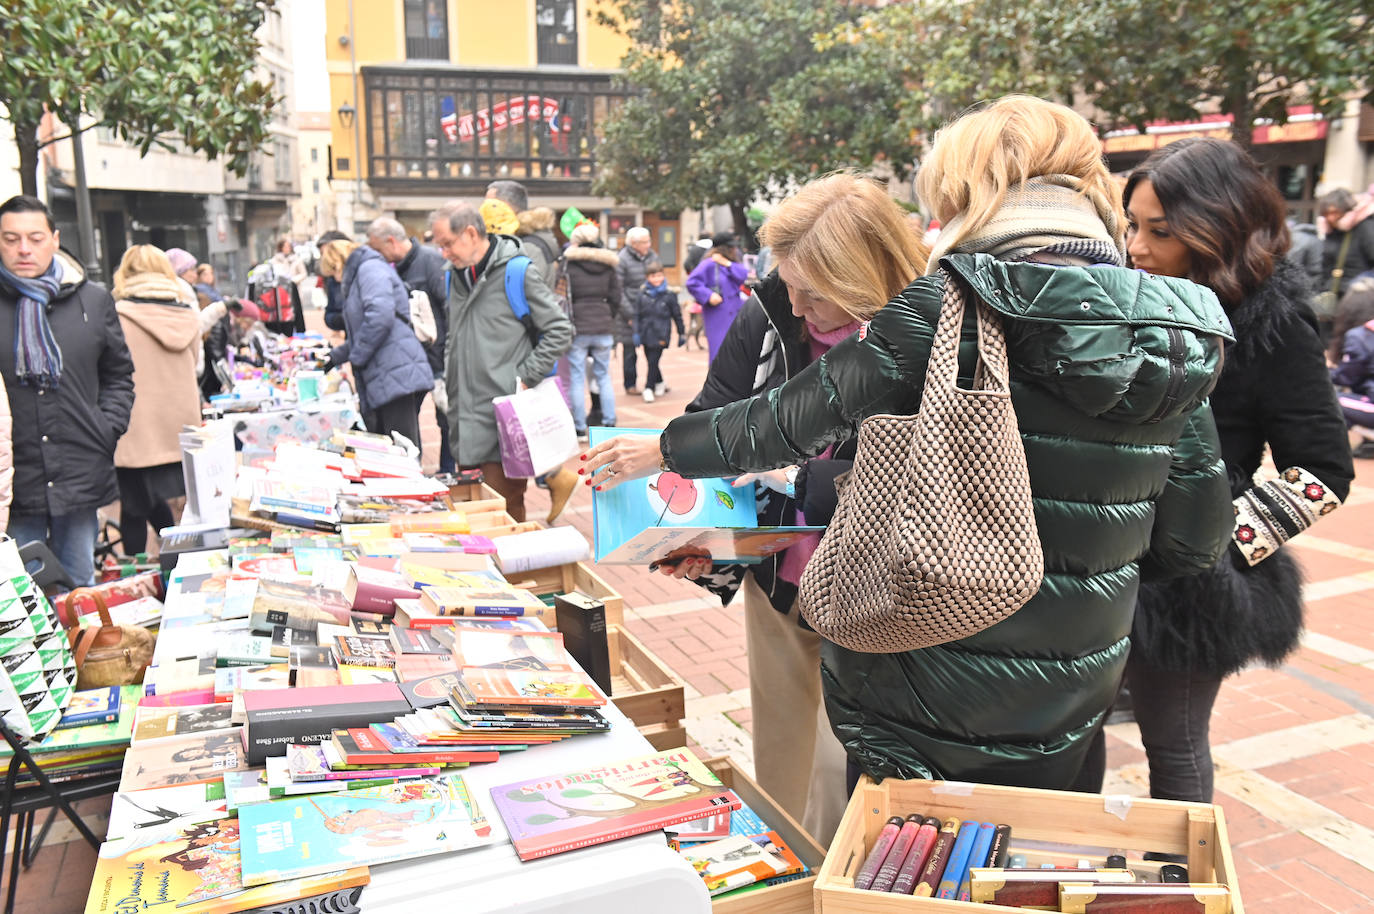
<point x="37" y="357"/>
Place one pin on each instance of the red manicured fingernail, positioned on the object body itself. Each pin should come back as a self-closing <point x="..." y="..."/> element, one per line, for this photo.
<point x="589" y="482"/>
<point x="599" y="488"/>
<point x="581" y="471"/>
<point x="584" y="457"/>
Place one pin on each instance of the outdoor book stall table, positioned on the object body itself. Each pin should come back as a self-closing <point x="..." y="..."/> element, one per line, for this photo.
<point x="639" y="873"/>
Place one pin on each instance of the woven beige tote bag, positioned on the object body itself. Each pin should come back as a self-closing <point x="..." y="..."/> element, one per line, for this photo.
<point x="934" y="538"/>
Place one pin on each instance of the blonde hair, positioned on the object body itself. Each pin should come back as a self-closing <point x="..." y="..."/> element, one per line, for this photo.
<point x="141" y="258"/>
<point x="978" y="157"/>
<point x="585" y="233"/>
<point x="850" y="241"/>
<point x="333" y="256"/>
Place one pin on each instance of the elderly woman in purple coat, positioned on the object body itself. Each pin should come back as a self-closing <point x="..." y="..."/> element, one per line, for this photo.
<point x="715" y="285"/>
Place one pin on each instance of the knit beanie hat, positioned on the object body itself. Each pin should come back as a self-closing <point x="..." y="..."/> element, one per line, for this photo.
<point x="182" y="260"/>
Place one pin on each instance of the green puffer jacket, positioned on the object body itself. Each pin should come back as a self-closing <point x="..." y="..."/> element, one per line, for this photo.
<point x="1110" y="372"/>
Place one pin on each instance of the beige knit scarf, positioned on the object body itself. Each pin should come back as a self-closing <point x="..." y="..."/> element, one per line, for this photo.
<point x="1048" y="211"/>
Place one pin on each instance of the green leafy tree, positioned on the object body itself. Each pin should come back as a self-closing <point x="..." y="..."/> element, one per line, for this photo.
<point x="1134" y="60"/>
<point x="148" y="70"/>
<point x="735" y="100"/>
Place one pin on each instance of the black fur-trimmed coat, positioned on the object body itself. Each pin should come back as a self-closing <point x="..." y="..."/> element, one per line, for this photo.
<point x="1274" y="390"/>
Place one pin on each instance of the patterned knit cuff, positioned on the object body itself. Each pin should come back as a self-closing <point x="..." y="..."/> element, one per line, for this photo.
<point x="1272" y="513"/>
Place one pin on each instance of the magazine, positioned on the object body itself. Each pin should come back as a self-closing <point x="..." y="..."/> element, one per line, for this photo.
<point x="302" y="836"/>
<point x="668" y="516"/>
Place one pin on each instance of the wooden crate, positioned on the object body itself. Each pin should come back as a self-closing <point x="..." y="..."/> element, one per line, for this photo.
<point x="646" y="691"/>
<point x="487" y="521"/>
<point x="1115" y="823"/>
<point x="475" y="496"/>
<point x="568" y="577"/>
<point x="795" y="897"/>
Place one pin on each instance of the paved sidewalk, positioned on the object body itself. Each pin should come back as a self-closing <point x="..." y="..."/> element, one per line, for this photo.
<point x="1294" y="747"/>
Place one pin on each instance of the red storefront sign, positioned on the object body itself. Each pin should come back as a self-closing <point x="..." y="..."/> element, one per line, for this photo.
<point x="1304" y="127"/>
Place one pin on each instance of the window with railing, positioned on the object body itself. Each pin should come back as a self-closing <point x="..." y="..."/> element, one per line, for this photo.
<point x="465" y="125"/>
<point x="426" y="24"/>
<point x="556" y="31"/>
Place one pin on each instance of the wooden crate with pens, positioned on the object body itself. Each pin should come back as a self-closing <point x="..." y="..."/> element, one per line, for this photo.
<point x="1058" y="828"/>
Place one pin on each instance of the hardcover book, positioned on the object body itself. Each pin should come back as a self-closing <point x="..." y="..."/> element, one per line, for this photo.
<point x="301" y="836"/>
<point x="376" y="591"/>
<point x="192" y="867"/>
<point x="582" y="621"/>
<point x="309" y="715"/>
<point x="666" y="516"/>
<point x="562" y="812"/>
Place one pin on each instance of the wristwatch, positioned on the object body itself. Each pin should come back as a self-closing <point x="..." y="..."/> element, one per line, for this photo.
<point x="790" y="474"/>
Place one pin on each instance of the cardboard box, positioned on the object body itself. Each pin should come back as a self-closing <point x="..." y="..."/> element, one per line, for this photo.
<point x="1117" y="824"/>
<point x="795" y="897"/>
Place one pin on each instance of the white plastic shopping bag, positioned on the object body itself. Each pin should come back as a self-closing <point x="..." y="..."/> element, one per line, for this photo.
<point x="536" y="430"/>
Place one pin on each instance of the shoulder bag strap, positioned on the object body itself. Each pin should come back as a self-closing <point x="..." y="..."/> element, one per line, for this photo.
<point x="1339" y="270"/>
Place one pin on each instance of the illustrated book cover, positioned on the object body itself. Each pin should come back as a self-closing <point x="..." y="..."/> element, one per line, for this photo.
<point x="565" y="811"/>
<point x="183" y="804"/>
<point x="193" y="867"/>
<point x="528" y="688"/>
<point x="91" y="706"/>
<point x="154" y="723"/>
<point x="302" y="836"/>
<point x="666" y="516"/>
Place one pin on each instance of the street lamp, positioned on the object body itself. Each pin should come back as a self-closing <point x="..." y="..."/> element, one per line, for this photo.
<point x="346" y="114"/>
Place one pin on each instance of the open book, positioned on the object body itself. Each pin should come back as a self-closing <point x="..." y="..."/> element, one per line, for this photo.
<point x="666" y="516"/>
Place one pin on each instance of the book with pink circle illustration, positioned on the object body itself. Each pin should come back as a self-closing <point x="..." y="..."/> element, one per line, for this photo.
<point x="666" y="517"/>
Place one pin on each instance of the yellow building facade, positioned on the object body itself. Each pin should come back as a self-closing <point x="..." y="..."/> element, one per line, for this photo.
<point x="435" y="99"/>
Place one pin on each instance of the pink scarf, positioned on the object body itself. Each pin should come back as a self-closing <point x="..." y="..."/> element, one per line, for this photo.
<point x="795" y="558"/>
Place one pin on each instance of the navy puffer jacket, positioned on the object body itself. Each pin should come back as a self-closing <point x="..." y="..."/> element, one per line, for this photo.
<point x="1110" y="371"/>
<point x="388" y="361"/>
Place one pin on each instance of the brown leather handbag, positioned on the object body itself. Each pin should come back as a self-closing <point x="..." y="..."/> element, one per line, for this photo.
<point x="106" y="654"/>
<point x="934" y="538"/>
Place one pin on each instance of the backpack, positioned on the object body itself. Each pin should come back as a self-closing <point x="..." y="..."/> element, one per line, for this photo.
<point x="276" y="296"/>
<point x="422" y="316"/>
<point x="516" y="268"/>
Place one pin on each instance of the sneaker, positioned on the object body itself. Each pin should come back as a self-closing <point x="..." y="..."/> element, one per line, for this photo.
<point x="582" y="435"/>
<point x="632" y="391"/>
<point x="648" y="395"/>
<point x="661" y="389"/>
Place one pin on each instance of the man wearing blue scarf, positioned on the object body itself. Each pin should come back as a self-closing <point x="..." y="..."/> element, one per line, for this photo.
<point x="70" y="383"/>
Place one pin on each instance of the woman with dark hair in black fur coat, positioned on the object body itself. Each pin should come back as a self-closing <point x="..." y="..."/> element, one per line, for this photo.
<point x="1201" y="209"/>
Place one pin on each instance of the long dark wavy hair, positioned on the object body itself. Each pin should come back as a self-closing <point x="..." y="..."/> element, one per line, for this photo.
<point x="1222" y="207"/>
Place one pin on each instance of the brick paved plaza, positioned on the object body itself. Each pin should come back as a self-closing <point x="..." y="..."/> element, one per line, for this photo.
<point x="1294" y="747"/>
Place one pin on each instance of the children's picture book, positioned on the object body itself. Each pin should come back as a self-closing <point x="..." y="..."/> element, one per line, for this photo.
<point x="302" y="836"/>
<point x="154" y="723"/>
<point x="191" y="759"/>
<point x="739" y="861"/>
<point x="667" y="516"/>
<point x="91" y="706"/>
<point x="193" y="867"/>
<point x="184" y="804"/>
<point x="529" y="688"/>
<point x="565" y="811"/>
